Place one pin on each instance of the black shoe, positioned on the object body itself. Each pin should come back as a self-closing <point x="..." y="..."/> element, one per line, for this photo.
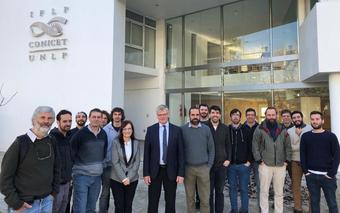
<point x="233" y="211"/>
<point x="197" y="205"/>
<point x="297" y="211"/>
<point x="273" y="206"/>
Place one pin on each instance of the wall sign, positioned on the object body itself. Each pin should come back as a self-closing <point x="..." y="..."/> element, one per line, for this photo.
<point x="48" y="41"/>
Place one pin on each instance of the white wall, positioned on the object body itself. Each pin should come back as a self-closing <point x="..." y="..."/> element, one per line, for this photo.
<point x="80" y="82"/>
<point x="319" y="40"/>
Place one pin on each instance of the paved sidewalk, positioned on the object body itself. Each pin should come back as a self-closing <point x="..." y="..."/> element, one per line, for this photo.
<point x="141" y="198"/>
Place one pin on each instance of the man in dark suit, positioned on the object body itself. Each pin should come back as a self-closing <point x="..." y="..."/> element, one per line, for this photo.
<point x="163" y="161"/>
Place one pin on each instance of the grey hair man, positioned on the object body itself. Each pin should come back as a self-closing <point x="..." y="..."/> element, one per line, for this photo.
<point x="30" y="169"/>
<point x="163" y="161"/>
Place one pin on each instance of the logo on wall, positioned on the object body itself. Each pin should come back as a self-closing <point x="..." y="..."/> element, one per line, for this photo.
<point x="48" y="39"/>
<point x="53" y="27"/>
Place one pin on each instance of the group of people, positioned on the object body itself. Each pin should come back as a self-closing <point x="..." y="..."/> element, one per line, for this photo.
<point x="42" y="168"/>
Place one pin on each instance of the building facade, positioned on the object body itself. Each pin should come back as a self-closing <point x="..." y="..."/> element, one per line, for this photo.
<point x="138" y="54"/>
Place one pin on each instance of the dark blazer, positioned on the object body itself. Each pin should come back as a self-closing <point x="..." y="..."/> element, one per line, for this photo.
<point x="175" y="152"/>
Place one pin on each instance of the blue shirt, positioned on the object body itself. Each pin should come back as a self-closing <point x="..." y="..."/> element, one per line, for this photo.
<point x="161" y="129"/>
<point x="112" y="134"/>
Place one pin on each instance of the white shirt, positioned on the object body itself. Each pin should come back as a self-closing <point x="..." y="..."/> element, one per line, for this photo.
<point x="161" y="129"/>
<point x="128" y="150"/>
<point x="32" y="136"/>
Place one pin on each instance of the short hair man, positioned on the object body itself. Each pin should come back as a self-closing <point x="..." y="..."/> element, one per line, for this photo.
<point x="62" y="134"/>
<point x="272" y="149"/>
<point x="204" y="112"/>
<point x="250" y="124"/>
<point x="320" y="157"/>
<point x="295" y="134"/>
<point x="30" y="169"/>
<point x="239" y="168"/>
<point x="81" y="118"/>
<point x="163" y="161"/>
<point x="286" y="116"/>
<point x="89" y="147"/>
<point x="199" y="157"/>
<point x="112" y="130"/>
<point x="220" y="133"/>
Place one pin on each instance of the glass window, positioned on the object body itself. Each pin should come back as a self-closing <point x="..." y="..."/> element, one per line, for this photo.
<point x="247" y="74"/>
<point x="137" y="34"/>
<point x="149" y="47"/>
<point x="246" y="30"/>
<point x="203" y="78"/>
<point x="284" y="27"/>
<point x="174" y="43"/>
<point x="202" y="32"/>
<point x="127" y="32"/>
<point x="174" y="80"/>
<point x="133" y="56"/>
<point x="286" y="71"/>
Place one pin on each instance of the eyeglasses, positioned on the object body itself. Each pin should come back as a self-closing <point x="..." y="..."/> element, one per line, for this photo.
<point x="42" y="156"/>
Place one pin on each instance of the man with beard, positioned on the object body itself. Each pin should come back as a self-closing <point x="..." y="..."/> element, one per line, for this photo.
<point x="204" y="117"/>
<point x="320" y="157"/>
<point x="81" y="118"/>
<point x="199" y="151"/>
<point x="62" y="135"/>
<point x="89" y="148"/>
<point x="30" y="169"/>
<point x="272" y="150"/>
<point x="204" y="112"/>
<point x="239" y="171"/>
<point x="295" y="134"/>
<point x="220" y="133"/>
<point x="112" y="129"/>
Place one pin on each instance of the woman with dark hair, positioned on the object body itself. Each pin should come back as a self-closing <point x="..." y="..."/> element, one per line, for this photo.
<point x="105" y="118"/>
<point x="124" y="174"/>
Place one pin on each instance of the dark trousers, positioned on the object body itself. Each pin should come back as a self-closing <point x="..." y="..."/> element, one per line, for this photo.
<point x="317" y="182"/>
<point x="123" y="196"/>
<point x="154" y="192"/>
<point x="217" y="181"/>
<point x="68" y="208"/>
<point x="104" y="199"/>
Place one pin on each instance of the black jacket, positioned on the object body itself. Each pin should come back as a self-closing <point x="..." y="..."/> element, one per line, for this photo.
<point x="65" y="154"/>
<point x="251" y="130"/>
<point x="241" y="145"/>
<point x="222" y="142"/>
<point x="175" y="152"/>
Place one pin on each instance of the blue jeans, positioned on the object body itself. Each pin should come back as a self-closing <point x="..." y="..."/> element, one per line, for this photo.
<point x="317" y="182"/>
<point x="86" y="191"/>
<point x="44" y="205"/>
<point x="238" y="174"/>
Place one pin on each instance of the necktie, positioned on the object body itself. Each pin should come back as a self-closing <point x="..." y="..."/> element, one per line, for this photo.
<point x="165" y="144"/>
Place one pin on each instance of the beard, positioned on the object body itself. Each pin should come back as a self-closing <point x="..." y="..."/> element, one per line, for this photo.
<point x="298" y="124"/>
<point x="42" y="129"/>
<point x="194" y="121"/>
<point x="316" y="126"/>
<point x="80" y="122"/>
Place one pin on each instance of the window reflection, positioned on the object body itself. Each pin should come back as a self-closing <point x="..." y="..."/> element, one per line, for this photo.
<point x="246" y="37"/>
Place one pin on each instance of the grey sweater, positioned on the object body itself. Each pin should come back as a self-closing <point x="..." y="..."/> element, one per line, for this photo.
<point x="199" y="145"/>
